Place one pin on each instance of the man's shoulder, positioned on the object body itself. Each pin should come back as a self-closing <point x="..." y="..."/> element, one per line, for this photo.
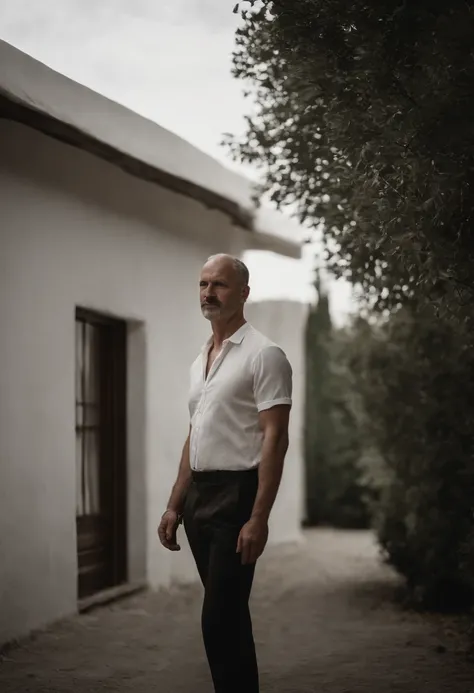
<point x="258" y="342"/>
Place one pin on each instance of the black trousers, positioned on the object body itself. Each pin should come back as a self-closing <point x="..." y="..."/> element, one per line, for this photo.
<point x="218" y="504"/>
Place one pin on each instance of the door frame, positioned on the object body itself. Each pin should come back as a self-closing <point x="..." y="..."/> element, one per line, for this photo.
<point x="113" y="439"/>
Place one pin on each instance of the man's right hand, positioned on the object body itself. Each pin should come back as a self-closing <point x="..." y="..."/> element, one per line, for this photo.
<point x="167" y="530"/>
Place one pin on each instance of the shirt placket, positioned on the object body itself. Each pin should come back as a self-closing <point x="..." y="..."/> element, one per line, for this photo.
<point x="202" y="401"/>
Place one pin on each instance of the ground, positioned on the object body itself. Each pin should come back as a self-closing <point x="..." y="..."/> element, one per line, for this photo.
<point x="324" y="619"/>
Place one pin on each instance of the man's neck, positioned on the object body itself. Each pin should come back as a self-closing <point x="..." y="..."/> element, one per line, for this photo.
<point x="222" y="331"/>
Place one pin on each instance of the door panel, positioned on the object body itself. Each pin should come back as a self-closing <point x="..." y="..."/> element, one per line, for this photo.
<point x="100" y="452"/>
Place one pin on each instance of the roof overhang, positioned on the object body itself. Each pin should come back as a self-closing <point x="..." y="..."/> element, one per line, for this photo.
<point x="36" y="96"/>
<point x="12" y="109"/>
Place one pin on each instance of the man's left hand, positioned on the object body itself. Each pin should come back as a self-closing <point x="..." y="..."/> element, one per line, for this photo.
<point x="252" y="540"/>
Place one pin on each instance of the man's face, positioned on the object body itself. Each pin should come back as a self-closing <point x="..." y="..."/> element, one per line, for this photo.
<point x="222" y="293"/>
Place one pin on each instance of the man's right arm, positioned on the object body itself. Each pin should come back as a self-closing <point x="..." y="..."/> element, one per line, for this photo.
<point x="170" y="518"/>
<point x="180" y="487"/>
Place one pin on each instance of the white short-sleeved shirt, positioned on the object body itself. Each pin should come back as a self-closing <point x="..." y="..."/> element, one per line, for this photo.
<point x="249" y="375"/>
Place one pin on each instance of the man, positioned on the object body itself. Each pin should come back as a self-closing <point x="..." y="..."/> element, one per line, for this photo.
<point x="230" y="469"/>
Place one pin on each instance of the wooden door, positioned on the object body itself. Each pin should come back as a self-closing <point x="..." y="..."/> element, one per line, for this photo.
<point x="100" y="452"/>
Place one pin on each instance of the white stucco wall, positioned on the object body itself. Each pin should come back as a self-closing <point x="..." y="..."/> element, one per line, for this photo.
<point x="284" y="323"/>
<point x="76" y="231"/>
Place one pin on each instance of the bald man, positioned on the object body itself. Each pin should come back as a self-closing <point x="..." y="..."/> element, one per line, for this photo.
<point x="230" y="469"/>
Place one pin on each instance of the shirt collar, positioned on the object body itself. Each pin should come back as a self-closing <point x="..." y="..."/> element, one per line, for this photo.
<point x="239" y="335"/>
<point x="236" y="338"/>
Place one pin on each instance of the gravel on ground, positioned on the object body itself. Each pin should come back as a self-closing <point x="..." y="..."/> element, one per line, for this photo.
<point x="325" y="621"/>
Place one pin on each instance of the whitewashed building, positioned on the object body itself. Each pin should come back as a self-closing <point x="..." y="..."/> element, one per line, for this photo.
<point x="105" y="222"/>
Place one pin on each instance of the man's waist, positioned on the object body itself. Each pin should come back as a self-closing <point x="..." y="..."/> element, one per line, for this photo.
<point x="215" y="476"/>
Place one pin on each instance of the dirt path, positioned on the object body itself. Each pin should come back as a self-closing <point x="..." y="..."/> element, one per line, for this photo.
<point x="323" y="623"/>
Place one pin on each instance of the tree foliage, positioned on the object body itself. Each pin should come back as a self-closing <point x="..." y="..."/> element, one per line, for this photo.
<point x="318" y="424"/>
<point x="362" y="120"/>
<point x="336" y="490"/>
<point x="411" y="374"/>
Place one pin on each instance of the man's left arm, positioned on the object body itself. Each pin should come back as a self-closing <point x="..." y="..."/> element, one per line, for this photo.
<point x="274" y="423"/>
<point x="273" y="392"/>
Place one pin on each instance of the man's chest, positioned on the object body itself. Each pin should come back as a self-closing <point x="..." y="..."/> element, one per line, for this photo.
<point x="209" y="361"/>
<point x="225" y="383"/>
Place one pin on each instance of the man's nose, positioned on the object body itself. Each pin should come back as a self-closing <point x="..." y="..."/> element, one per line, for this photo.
<point x="209" y="291"/>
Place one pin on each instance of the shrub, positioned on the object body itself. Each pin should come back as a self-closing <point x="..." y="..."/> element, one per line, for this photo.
<point x="413" y="376"/>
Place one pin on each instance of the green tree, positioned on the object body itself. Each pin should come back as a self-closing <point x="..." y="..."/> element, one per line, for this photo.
<point x="336" y="491"/>
<point x="362" y="122"/>
<point x="318" y="423"/>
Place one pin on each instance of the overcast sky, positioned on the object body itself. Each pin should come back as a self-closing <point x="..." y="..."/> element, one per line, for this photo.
<point x="170" y="61"/>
